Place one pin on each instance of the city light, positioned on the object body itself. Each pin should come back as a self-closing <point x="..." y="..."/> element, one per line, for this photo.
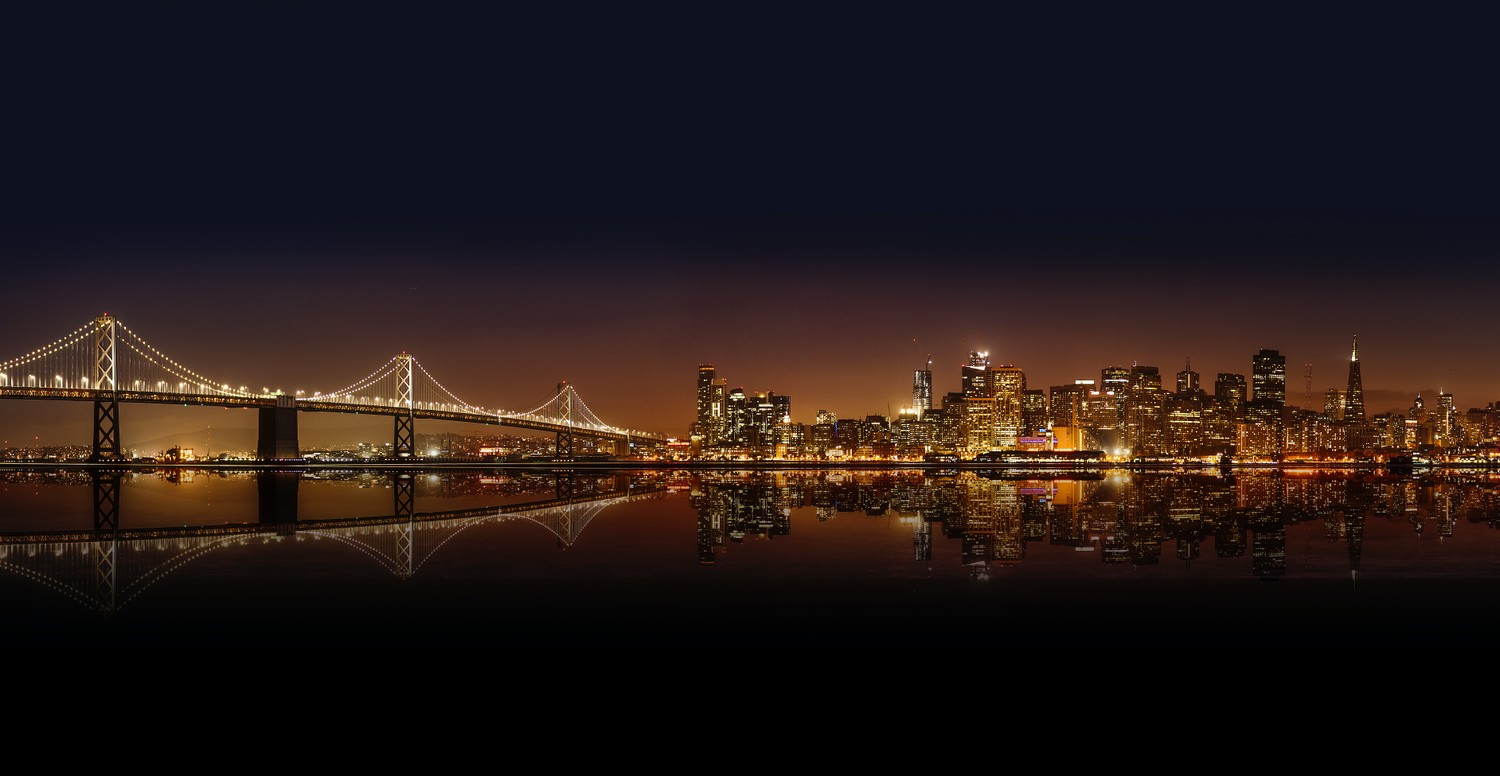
<point x="1129" y="415"/>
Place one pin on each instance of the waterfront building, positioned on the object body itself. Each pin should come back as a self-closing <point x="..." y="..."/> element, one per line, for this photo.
<point x="1007" y="386"/>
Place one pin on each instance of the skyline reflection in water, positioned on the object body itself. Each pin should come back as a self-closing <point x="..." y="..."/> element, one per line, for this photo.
<point x="645" y="557"/>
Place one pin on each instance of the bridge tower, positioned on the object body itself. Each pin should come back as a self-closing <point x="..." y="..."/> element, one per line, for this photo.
<point x="405" y="506"/>
<point x="106" y="486"/>
<point x="106" y="408"/>
<point x="278" y="499"/>
<point x="406" y="424"/>
<point x="278" y="431"/>
<point x="564" y="448"/>
<point x="105" y="549"/>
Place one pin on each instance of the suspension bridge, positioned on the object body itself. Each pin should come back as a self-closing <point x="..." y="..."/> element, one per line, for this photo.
<point x="107" y="363"/>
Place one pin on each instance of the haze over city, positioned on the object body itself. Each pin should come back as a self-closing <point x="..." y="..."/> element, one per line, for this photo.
<point x="814" y="199"/>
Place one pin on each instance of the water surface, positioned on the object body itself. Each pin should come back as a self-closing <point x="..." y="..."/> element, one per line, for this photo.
<point x="530" y="557"/>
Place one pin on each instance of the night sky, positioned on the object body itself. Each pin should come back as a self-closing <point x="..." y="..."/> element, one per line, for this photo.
<point x="812" y="197"/>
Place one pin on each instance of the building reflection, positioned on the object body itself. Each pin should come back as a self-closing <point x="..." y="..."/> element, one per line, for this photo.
<point x="1119" y="518"/>
<point x="978" y="524"/>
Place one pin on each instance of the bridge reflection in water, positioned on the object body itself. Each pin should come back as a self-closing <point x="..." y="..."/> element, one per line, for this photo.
<point x="913" y="556"/>
<point x="107" y="567"/>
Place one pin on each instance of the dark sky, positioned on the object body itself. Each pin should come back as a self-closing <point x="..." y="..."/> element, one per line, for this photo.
<point x="811" y="196"/>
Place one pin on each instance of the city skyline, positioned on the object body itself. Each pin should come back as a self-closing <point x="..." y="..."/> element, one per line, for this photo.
<point x="1292" y="391"/>
<point x="613" y="194"/>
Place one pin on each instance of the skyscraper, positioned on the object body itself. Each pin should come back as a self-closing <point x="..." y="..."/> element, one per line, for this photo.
<point x="1268" y="376"/>
<point x="976" y="375"/>
<point x="712" y="394"/>
<point x="1114" y="379"/>
<point x="1230" y="387"/>
<point x="921" y="389"/>
<point x="705" y="395"/>
<point x="1354" y="396"/>
<point x="1187" y="379"/>
<point x="1333" y="403"/>
<point x="736" y="416"/>
<point x="1007" y="385"/>
<point x="1445" y="427"/>
<point x="1145" y="378"/>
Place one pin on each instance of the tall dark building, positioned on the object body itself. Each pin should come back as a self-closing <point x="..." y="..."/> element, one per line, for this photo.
<point x="1354" y="397"/>
<point x="1145" y="378"/>
<point x="1268" y="376"/>
<point x="1114" y="379"/>
<point x="976" y="376"/>
<point x="1065" y="408"/>
<point x="921" y="389"/>
<point x="1230" y="386"/>
<point x="1033" y="412"/>
<point x="705" y="395"/>
<point x="1187" y="379"/>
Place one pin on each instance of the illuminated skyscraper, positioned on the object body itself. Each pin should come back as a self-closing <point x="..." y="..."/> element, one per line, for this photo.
<point x="712" y="394"/>
<point x="1185" y="434"/>
<point x="978" y="433"/>
<point x="1065" y="408"/>
<point x="705" y="395"/>
<point x="921" y="389"/>
<point x="1007" y="385"/>
<point x="1268" y="376"/>
<point x="978" y="425"/>
<point x="1354" y="397"/>
<point x="736" y="416"/>
<point x="1445" y="425"/>
<point x="1145" y="413"/>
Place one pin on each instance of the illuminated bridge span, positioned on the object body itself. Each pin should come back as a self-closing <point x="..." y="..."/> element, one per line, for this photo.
<point x="107" y="363"/>
<point x="108" y="568"/>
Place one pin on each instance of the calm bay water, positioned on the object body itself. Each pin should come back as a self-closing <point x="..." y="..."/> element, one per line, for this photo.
<point x="523" y="557"/>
